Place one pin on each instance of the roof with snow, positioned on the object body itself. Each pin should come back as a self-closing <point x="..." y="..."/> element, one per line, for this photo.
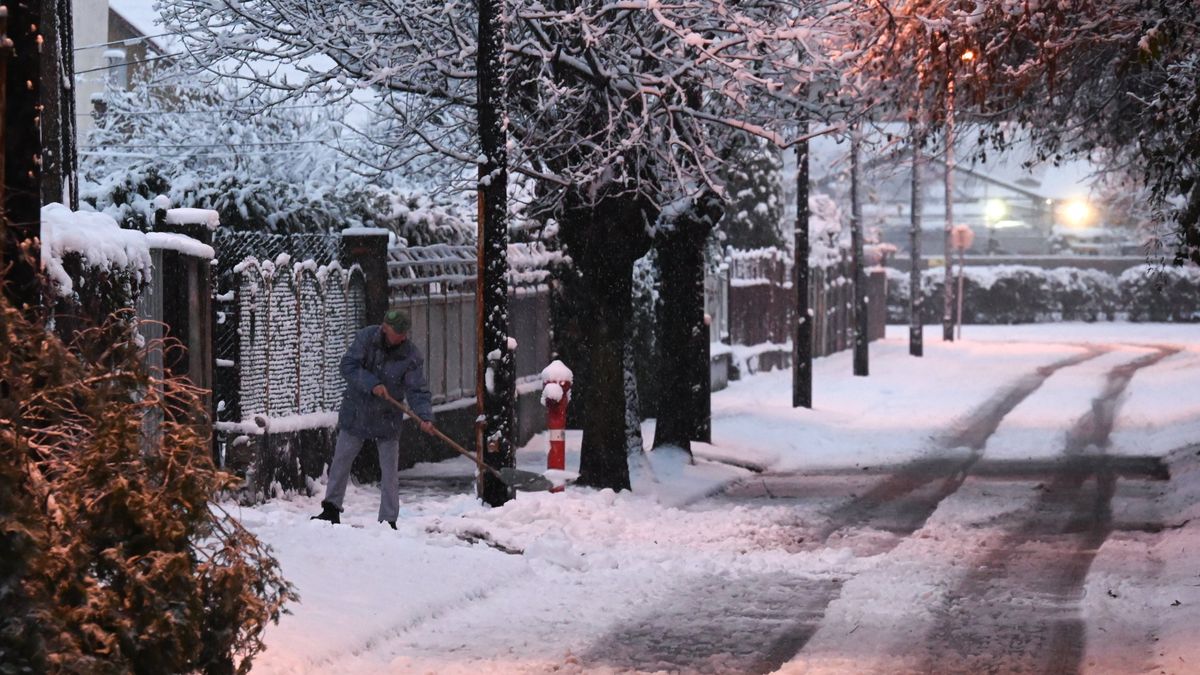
<point x="142" y="15"/>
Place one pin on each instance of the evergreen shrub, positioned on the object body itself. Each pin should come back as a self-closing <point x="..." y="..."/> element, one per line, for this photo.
<point x="114" y="555"/>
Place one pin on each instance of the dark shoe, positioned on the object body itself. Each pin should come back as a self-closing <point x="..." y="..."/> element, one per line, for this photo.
<point x="392" y="523"/>
<point x="328" y="512"/>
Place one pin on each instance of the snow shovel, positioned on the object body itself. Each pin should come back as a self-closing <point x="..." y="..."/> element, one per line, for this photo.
<point x="526" y="481"/>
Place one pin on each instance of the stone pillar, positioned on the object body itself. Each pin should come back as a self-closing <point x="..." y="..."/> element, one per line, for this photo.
<point x="184" y="280"/>
<point x="367" y="247"/>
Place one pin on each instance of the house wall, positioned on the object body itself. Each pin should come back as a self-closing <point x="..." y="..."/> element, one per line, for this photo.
<point x="90" y="21"/>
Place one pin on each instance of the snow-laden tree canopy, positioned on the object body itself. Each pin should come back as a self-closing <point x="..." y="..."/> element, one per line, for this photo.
<point x="1115" y="80"/>
<point x="263" y="164"/>
<point x="599" y="93"/>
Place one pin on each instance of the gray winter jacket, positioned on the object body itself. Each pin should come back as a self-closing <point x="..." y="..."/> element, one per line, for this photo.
<point x="371" y="361"/>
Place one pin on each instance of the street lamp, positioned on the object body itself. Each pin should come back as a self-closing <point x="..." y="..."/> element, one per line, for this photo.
<point x="994" y="210"/>
<point x="1077" y="212"/>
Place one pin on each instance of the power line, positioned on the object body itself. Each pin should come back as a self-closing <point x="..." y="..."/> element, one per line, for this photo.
<point x="127" y="41"/>
<point x="129" y="63"/>
<point x="211" y="111"/>
<point x="202" y="155"/>
<point x="200" y="145"/>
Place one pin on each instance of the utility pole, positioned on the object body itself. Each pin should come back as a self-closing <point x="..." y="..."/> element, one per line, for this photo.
<point x="947" y="249"/>
<point x="802" y="394"/>
<point x="59" y="159"/>
<point x="21" y="134"/>
<point x="916" y="346"/>
<point x="861" y="343"/>
<point x="496" y="368"/>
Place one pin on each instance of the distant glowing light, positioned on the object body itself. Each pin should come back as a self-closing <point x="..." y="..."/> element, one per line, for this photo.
<point x="968" y="55"/>
<point x="1077" y="212"/>
<point x="995" y="210"/>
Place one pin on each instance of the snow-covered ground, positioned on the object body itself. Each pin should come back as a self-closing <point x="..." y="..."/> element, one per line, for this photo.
<point x="835" y="560"/>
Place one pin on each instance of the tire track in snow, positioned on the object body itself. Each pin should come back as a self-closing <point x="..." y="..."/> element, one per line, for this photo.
<point x="722" y="625"/>
<point x="903" y="502"/>
<point x="755" y="625"/>
<point x="1018" y="609"/>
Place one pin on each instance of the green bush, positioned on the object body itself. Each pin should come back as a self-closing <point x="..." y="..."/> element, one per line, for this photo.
<point x="1012" y="294"/>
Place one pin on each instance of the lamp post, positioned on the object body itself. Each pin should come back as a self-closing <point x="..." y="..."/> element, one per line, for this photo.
<point x="961" y="236"/>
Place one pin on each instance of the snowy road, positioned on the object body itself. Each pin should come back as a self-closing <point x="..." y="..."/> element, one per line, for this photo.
<point x="1019" y="527"/>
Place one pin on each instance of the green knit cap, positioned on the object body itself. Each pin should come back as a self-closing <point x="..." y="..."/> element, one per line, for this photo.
<point x="398" y="320"/>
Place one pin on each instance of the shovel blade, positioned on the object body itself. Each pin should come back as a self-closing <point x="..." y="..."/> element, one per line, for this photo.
<point x="525" y="481"/>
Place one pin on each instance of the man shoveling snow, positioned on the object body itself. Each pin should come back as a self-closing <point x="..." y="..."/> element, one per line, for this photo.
<point x="381" y="364"/>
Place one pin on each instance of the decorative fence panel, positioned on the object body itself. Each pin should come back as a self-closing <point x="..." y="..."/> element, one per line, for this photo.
<point x="283" y="344"/>
<point x="294" y="323"/>
<point x="283" y="328"/>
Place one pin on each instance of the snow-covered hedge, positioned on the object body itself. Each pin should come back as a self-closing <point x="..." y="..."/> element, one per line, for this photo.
<point x="94" y="267"/>
<point x="1006" y="294"/>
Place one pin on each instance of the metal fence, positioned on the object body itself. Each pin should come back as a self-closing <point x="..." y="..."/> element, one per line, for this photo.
<point x="761" y="305"/>
<point x="436" y="285"/>
<point x="716" y="302"/>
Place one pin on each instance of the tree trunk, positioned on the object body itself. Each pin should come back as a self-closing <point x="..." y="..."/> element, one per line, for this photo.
<point x="497" y="368"/>
<point x="684" y="408"/>
<point x="802" y="340"/>
<point x="861" y="338"/>
<point x="22" y="157"/>
<point x="603" y="458"/>
<point x="916" y="346"/>
<point x="604" y="238"/>
<point x="59" y="164"/>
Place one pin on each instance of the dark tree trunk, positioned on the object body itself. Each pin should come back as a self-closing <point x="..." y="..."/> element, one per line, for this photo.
<point x="59" y="164"/>
<point x="603" y="458"/>
<point x="497" y="371"/>
<point x="802" y="350"/>
<point x="861" y="366"/>
<point x="916" y="338"/>
<point x="684" y="407"/>
<point x="22" y="155"/>
<point x="604" y="239"/>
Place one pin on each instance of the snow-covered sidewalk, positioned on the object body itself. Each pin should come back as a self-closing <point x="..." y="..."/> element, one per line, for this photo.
<point x="669" y="578"/>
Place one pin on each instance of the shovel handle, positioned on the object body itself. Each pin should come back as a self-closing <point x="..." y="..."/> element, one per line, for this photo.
<point x="403" y="407"/>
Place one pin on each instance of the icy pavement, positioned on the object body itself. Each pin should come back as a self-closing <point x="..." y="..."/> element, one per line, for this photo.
<point x="998" y="506"/>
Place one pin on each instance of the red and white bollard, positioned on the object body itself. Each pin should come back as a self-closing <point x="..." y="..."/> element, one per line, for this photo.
<point x="556" y="394"/>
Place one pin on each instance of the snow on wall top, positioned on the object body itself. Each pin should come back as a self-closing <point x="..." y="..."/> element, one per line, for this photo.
<point x="184" y="244"/>
<point x="365" y="231"/>
<point x="206" y="217"/>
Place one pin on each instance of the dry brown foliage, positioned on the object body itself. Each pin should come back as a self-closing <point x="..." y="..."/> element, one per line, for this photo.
<point x="114" y="556"/>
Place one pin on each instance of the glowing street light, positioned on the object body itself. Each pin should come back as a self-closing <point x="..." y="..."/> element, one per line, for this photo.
<point x="1077" y="212"/>
<point x="995" y="210"/>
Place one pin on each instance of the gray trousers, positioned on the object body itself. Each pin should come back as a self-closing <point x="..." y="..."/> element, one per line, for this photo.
<point x="344" y="452"/>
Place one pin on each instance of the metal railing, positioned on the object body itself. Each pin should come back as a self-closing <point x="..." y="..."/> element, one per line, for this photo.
<point x="436" y="285"/>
